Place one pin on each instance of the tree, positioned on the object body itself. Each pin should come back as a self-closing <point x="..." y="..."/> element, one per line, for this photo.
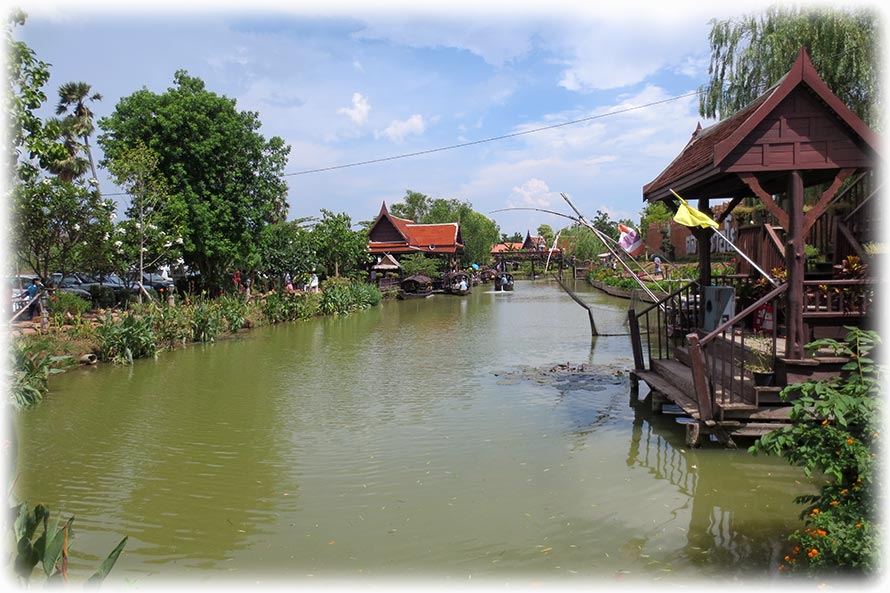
<point x="68" y="164"/>
<point x="57" y="223"/>
<point x="139" y="242"/>
<point x="416" y="207"/>
<point x="478" y="231"/>
<point x="514" y="238"/>
<point x="546" y="232"/>
<point x="27" y="143"/>
<point x="287" y="248"/>
<point x="340" y="249"/>
<point x="749" y="54"/>
<point x="224" y="179"/>
<point x="72" y="95"/>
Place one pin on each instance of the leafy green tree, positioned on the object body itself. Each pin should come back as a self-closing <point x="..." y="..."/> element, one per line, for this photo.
<point x="57" y="223"/>
<point x="835" y="432"/>
<point x="68" y="164"/>
<point x="72" y="103"/>
<point x="418" y="263"/>
<point x="27" y="144"/>
<point x="581" y="243"/>
<point x="287" y="247"/>
<point x="514" y="238"/>
<point x="546" y="232"/>
<point x="415" y="207"/>
<point x="750" y="53"/>
<point x="340" y="249"/>
<point x="478" y="231"/>
<point x="224" y="179"/>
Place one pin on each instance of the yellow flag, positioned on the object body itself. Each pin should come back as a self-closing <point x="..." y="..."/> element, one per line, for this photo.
<point x="689" y="216"/>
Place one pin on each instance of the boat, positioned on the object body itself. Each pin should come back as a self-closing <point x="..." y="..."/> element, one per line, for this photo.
<point x="416" y="286"/>
<point x="504" y="282"/>
<point x="456" y="283"/>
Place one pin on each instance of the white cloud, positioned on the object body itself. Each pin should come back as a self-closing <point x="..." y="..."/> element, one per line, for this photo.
<point x="534" y="193"/>
<point x="397" y="130"/>
<point x="358" y="113"/>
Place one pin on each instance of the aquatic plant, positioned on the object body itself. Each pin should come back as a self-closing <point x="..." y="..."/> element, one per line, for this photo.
<point x="836" y="425"/>
<point x="32" y="366"/>
<point x="233" y="310"/>
<point x="125" y="339"/>
<point x="207" y="321"/>
<point x="50" y="549"/>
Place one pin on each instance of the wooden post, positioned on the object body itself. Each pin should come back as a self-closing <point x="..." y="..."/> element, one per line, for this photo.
<point x="636" y="343"/>
<point x="794" y="264"/>
<point x="700" y="378"/>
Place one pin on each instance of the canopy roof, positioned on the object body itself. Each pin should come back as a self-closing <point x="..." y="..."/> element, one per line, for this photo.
<point x="797" y="124"/>
<point x="391" y="234"/>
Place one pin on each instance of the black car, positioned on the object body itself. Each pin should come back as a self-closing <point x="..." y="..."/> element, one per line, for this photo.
<point x="155" y="281"/>
<point x="75" y="284"/>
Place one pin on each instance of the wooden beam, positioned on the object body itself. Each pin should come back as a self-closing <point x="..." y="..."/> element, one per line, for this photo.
<point x="794" y="264"/>
<point x="819" y="208"/>
<point x="700" y="378"/>
<point x="754" y="185"/>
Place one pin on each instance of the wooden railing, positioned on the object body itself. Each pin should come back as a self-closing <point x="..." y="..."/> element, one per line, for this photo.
<point x="829" y="300"/>
<point x="665" y="323"/>
<point x="722" y="360"/>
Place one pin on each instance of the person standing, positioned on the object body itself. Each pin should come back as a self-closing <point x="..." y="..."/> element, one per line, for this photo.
<point x="31" y="293"/>
<point x="658" y="270"/>
<point x="313" y="283"/>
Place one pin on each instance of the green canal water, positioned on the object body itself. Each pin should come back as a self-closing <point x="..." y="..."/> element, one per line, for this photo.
<point x="411" y="441"/>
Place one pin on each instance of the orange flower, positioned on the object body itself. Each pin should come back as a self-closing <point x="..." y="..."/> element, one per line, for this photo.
<point x="815" y="512"/>
<point x="824" y="422"/>
<point x="833" y="503"/>
<point x="849" y="441"/>
<point x="782" y="567"/>
<point x="821" y="532"/>
<point x="844" y="491"/>
<point x="858" y="525"/>
<point x="812" y="553"/>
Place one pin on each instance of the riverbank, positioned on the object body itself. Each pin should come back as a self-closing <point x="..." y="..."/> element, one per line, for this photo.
<point x="61" y="340"/>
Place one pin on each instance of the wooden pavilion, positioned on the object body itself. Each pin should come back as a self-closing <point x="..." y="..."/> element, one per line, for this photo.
<point x="393" y="236"/>
<point x="797" y="136"/>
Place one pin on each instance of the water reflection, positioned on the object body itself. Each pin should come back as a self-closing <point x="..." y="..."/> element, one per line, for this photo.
<point x="389" y="443"/>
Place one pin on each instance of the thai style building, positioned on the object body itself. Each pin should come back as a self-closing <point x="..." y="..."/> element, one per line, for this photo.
<point x="698" y="348"/>
<point x="394" y="237"/>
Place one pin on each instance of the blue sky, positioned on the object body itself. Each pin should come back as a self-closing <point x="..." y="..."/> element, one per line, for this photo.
<point x="344" y="82"/>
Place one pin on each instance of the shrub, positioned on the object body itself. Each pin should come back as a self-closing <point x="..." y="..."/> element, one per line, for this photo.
<point x="172" y="325"/>
<point x="234" y="311"/>
<point x="32" y="366"/>
<point x="123" y="340"/>
<point x="64" y="305"/>
<point x="835" y="428"/>
<point x="207" y="321"/>
<point x="103" y="296"/>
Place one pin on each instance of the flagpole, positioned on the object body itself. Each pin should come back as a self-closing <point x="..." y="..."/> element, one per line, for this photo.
<point x="703" y="220"/>
<point x="605" y="242"/>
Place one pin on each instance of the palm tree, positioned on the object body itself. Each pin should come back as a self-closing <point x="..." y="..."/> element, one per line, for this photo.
<point x="72" y="95"/>
<point x="67" y="163"/>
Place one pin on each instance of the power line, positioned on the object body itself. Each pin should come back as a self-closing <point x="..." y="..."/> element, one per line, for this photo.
<point x="482" y="141"/>
<point x="492" y="139"/>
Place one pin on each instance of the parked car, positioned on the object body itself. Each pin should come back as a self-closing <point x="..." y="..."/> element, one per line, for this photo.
<point x="73" y="283"/>
<point x="155" y="281"/>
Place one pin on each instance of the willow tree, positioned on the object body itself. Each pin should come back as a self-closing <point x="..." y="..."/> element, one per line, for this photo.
<point x="750" y="53"/>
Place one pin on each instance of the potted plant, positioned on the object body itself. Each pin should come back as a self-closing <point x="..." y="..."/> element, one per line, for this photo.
<point x="762" y="370"/>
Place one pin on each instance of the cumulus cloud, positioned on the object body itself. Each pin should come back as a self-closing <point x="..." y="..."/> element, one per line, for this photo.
<point x="534" y="193"/>
<point x="358" y="113"/>
<point x="397" y="130"/>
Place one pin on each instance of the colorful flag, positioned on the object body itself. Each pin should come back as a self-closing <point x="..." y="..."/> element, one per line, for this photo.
<point x="630" y="240"/>
<point x="689" y="216"/>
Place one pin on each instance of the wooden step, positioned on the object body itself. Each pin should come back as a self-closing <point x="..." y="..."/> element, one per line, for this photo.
<point x="677" y="373"/>
<point x="657" y="382"/>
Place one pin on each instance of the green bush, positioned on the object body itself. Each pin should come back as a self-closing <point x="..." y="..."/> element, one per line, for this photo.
<point x="172" y="326"/>
<point x="103" y="296"/>
<point x="124" y="340"/>
<point x="64" y="305"/>
<point x="32" y="366"/>
<point x="207" y="321"/>
<point x="835" y="428"/>
<point x="234" y="311"/>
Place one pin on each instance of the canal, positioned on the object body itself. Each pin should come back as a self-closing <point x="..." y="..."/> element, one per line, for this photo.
<point x="421" y="439"/>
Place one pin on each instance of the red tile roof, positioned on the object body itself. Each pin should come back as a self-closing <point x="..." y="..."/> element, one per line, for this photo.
<point x="428" y="238"/>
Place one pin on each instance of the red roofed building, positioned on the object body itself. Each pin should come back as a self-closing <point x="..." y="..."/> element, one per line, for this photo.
<point x="397" y="236"/>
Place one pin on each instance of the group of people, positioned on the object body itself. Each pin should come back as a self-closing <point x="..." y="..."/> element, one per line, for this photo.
<point x="311" y="286"/>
